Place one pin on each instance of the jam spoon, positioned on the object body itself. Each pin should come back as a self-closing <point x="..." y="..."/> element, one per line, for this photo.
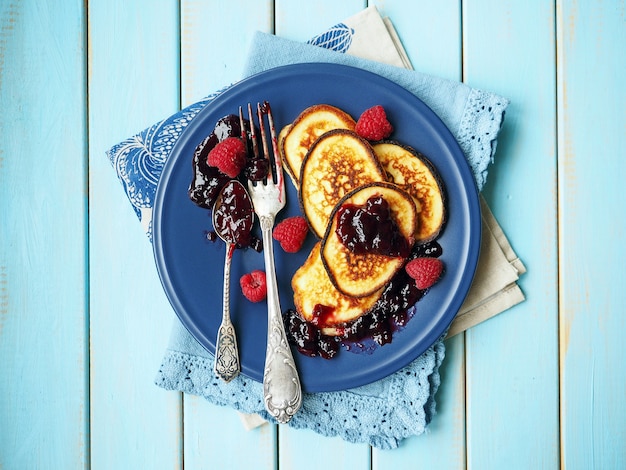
<point x="233" y="216"/>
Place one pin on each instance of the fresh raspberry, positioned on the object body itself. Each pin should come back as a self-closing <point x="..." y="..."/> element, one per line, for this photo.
<point x="229" y="156"/>
<point x="253" y="286"/>
<point x="425" y="271"/>
<point x="291" y="233"/>
<point x="373" y="124"/>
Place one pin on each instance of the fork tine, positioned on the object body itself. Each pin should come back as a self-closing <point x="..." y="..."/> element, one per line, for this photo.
<point x="242" y="125"/>
<point x="244" y="133"/>
<point x="266" y="152"/>
<point x="277" y="173"/>
<point x="255" y="146"/>
<point x="278" y="160"/>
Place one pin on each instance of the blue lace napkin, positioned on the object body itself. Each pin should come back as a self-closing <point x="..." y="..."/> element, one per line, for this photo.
<point x="382" y="413"/>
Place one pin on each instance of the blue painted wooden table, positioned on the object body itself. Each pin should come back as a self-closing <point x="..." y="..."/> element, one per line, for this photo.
<point x="84" y="320"/>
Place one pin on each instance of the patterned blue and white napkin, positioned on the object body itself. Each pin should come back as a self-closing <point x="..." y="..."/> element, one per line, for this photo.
<point x="387" y="411"/>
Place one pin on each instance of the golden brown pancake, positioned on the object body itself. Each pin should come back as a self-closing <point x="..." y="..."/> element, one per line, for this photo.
<point x="312" y="287"/>
<point x="337" y="163"/>
<point x="413" y="172"/>
<point x="305" y="129"/>
<point x="362" y="274"/>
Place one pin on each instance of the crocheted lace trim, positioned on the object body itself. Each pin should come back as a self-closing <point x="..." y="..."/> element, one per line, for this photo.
<point x="478" y="131"/>
<point x="380" y="414"/>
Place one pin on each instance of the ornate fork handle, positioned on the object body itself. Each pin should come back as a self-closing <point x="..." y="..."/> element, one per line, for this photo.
<point x="282" y="391"/>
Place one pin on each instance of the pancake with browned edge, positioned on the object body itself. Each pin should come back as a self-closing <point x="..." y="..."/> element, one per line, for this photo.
<point x="412" y="171"/>
<point x="296" y="138"/>
<point x="337" y="163"/>
<point x="360" y="274"/>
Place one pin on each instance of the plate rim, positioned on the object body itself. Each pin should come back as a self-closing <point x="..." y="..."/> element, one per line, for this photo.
<point x="472" y="200"/>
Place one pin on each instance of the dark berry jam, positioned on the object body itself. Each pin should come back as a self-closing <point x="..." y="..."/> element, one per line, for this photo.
<point x="431" y="249"/>
<point x="321" y="313"/>
<point x="371" y="229"/>
<point x="256" y="244"/>
<point x="327" y="346"/>
<point x="390" y="314"/>
<point x="228" y="126"/>
<point x="257" y="168"/>
<point x="301" y="333"/>
<point x="233" y="215"/>
<point x="307" y="338"/>
<point x="207" y="181"/>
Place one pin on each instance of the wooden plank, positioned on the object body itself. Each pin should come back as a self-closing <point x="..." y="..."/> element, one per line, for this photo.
<point x="592" y="138"/>
<point x="431" y="35"/>
<point x="511" y="361"/>
<point x="214" y="437"/>
<point x="43" y="316"/>
<point x="300" y="21"/>
<point x="443" y="444"/>
<point x="213" y="51"/>
<point x="133" y="82"/>
<point x="214" y="43"/>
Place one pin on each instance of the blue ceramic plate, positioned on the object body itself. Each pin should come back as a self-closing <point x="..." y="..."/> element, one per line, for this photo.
<point x="191" y="267"/>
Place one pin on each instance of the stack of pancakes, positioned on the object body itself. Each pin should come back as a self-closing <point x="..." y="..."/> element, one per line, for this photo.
<point x="330" y="165"/>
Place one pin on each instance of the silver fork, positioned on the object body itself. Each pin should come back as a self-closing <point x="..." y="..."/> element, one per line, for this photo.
<point x="282" y="392"/>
